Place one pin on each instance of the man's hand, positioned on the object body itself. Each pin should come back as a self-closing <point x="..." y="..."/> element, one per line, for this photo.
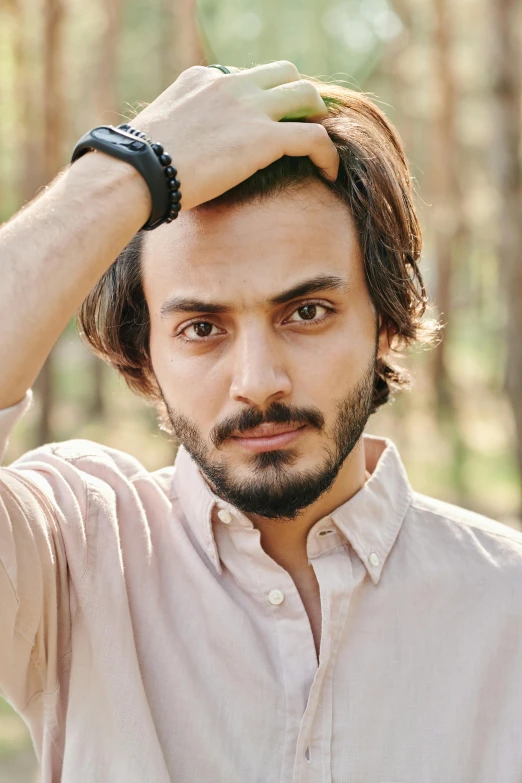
<point x="220" y="129"/>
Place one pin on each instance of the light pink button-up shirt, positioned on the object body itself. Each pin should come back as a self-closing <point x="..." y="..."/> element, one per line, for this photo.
<point x="146" y="638"/>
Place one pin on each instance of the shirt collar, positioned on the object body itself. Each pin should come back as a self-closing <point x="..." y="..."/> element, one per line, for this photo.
<point x="370" y="520"/>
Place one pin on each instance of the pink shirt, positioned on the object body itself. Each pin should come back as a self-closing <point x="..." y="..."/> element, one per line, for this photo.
<point x="146" y="637"/>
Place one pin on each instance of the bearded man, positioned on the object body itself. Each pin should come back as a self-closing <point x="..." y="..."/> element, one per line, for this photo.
<point x="279" y="606"/>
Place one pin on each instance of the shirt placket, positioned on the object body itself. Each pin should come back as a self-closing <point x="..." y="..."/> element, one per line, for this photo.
<point x="308" y="687"/>
<point x="276" y="590"/>
<point x="333" y="570"/>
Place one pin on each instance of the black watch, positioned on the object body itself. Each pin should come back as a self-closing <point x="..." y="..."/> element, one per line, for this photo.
<point x="134" y="148"/>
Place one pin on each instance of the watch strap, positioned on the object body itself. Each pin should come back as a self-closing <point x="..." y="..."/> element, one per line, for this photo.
<point x="139" y="153"/>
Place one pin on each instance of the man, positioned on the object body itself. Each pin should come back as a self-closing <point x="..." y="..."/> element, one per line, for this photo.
<point x="279" y="606"/>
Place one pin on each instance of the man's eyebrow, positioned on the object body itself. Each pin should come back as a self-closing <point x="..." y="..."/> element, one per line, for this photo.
<point x="181" y="304"/>
<point x="312" y="286"/>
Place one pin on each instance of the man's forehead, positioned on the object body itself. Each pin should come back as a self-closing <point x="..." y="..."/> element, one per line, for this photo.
<point x="311" y="210"/>
<point x="270" y="245"/>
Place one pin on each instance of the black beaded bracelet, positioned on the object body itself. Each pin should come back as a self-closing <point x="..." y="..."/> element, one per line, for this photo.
<point x="173" y="184"/>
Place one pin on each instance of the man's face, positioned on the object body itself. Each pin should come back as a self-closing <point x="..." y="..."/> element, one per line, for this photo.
<point x="263" y="342"/>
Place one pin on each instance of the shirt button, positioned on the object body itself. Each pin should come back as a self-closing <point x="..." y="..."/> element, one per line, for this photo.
<point x="225" y="516"/>
<point x="374" y="559"/>
<point x="276" y="597"/>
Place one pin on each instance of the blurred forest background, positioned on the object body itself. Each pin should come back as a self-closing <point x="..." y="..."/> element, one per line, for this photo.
<point x="449" y="76"/>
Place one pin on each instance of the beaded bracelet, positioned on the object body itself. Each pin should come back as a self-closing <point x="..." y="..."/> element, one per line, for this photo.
<point x="174" y="197"/>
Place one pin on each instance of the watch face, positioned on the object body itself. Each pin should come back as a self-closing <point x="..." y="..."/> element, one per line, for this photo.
<point x="114" y="136"/>
<point x="107" y="134"/>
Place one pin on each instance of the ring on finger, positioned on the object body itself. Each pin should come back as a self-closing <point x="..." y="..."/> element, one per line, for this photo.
<point x="222" y="68"/>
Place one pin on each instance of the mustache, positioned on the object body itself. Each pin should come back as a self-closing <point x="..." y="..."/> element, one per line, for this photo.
<point x="276" y="413"/>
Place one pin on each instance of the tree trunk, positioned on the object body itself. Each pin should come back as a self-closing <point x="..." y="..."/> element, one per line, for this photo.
<point x="25" y="89"/>
<point x="106" y="95"/>
<point x="506" y="65"/>
<point x="448" y="233"/>
<point x="445" y="191"/>
<point x="53" y="88"/>
<point x="181" y="41"/>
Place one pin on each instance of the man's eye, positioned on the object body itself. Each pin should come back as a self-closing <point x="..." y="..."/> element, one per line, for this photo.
<point x="308" y="312"/>
<point x="202" y="329"/>
<point x="198" y="329"/>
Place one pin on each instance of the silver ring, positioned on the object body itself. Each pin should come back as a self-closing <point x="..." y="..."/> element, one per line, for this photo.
<point x="222" y="68"/>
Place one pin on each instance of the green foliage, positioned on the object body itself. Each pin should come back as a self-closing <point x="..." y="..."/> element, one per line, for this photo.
<point x="14" y="737"/>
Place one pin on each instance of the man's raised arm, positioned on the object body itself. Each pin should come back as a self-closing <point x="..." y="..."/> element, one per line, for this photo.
<point x="219" y="129"/>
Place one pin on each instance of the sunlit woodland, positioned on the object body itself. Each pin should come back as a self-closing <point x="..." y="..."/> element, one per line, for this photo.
<point x="446" y="73"/>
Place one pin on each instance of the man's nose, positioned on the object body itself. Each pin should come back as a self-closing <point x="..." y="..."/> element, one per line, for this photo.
<point x="259" y="375"/>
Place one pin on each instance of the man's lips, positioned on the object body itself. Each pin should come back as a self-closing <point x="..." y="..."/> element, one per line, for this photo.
<point x="268" y="437"/>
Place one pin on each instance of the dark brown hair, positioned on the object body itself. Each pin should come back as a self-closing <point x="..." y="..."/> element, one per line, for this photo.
<point x="375" y="184"/>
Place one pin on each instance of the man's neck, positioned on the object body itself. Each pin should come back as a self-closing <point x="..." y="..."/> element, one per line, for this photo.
<point x="285" y="540"/>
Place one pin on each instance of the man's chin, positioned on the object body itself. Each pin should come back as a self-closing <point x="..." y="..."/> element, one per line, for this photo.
<point x="253" y="467"/>
<point x="271" y="492"/>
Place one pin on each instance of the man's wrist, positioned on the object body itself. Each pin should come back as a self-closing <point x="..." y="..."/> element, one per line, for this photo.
<point x="115" y="177"/>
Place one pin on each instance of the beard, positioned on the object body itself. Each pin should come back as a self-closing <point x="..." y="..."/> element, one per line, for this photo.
<point x="275" y="490"/>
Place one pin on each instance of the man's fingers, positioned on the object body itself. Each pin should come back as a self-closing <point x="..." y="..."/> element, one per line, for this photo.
<point x="312" y="140"/>
<point x="271" y="75"/>
<point x="293" y="101"/>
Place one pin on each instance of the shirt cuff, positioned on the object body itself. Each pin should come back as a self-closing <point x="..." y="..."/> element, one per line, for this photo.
<point x="10" y="416"/>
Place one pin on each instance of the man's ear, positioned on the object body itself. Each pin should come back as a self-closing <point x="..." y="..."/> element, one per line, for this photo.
<point x="385" y="339"/>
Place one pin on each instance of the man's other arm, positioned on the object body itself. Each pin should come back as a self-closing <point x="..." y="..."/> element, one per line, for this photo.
<point x="53" y="252"/>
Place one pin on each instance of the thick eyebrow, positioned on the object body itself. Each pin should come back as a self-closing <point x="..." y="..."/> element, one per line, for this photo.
<point x="180" y="304"/>
<point x="312" y="286"/>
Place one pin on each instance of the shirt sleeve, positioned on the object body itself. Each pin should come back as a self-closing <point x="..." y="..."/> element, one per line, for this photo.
<point x="34" y="600"/>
